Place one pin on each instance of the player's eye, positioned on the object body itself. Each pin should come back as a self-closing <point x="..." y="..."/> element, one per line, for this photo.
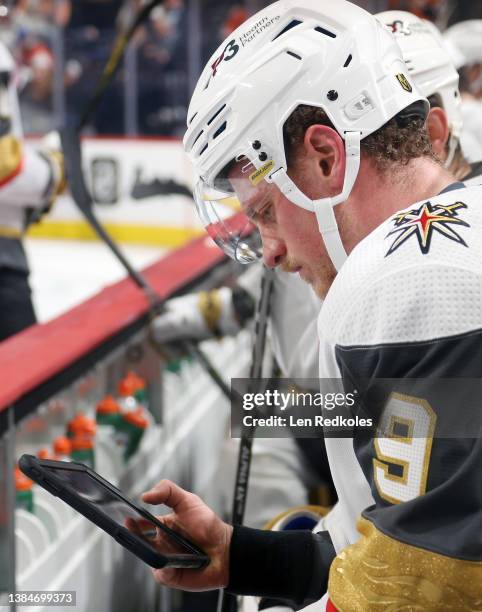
<point x="266" y="214"/>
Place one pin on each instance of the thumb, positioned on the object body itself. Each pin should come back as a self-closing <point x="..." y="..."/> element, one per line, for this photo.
<point x="168" y="493"/>
<point x="165" y="575"/>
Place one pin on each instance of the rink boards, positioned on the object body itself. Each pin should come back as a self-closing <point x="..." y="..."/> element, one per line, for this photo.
<point x="142" y="189"/>
<point x="57" y="369"/>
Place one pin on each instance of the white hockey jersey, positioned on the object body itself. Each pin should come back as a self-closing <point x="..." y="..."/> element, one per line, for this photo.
<point x="406" y="309"/>
<point x="294" y="313"/>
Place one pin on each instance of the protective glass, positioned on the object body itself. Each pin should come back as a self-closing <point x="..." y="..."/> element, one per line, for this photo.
<point x="226" y="221"/>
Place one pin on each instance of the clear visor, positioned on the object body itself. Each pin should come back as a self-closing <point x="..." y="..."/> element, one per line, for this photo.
<point x="226" y="220"/>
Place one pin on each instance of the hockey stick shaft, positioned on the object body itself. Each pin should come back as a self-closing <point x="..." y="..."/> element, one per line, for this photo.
<point x="113" y="62"/>
<point x="256" y="370"/>
<point x="226" y="601"/>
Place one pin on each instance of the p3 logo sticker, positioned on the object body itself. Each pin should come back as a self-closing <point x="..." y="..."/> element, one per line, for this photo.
<point x="230" y="50"/>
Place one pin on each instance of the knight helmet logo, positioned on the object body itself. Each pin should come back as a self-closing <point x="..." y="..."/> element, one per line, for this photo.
<point x="402" y="79"/>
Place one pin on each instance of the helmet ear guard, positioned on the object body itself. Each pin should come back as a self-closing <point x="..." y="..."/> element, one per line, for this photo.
<point x="417" y="110"/>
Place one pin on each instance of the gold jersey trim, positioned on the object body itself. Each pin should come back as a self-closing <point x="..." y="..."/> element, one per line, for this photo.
<point x="10" y="158"/>
<point x="311" y="510"/>
<point x="380" y="574"/>
<point x="210" y="307"/>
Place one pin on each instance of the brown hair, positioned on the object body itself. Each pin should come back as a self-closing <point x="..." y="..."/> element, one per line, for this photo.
<point x="395" y="142"/>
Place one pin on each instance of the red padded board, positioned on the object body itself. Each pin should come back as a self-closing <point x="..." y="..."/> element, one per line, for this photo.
<point x="38" y="353"/>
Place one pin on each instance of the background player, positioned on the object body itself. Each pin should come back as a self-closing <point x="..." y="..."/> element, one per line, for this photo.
<point x="30" y="179"/>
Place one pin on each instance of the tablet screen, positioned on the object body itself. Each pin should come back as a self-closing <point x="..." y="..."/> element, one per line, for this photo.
<point x="93" y="491"/>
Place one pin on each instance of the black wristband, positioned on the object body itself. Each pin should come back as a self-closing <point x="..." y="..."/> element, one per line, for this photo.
<point x="291" y="566"/>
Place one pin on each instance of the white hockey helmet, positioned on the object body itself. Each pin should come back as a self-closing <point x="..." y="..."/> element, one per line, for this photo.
<point x="464" y="39"/>
<point x="430" y="65"/>
<point x="332" y="56"/>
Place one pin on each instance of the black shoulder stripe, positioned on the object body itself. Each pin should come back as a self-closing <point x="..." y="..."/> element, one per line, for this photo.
<point x="431" y="497"/>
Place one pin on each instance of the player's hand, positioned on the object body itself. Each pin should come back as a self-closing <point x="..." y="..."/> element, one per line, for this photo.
<point x="182" y="319"/>
<point x="51" y="141"/>
<point x="192" y="518"/>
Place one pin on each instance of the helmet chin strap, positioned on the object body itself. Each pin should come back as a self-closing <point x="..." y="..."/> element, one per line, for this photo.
<point x="451" y="154"/>
<point x="324" y="207"/>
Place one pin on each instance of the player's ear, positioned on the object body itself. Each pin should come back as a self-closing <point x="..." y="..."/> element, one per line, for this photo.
<point x="325" y="146"/>
<point x="438" y="131"/>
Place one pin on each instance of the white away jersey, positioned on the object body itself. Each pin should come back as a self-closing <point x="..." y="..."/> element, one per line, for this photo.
<point x="294" y="312"/>
<point x="406" y="310"/>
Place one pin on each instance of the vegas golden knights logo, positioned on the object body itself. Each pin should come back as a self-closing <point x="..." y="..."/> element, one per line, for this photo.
<point x="402" y="79"/>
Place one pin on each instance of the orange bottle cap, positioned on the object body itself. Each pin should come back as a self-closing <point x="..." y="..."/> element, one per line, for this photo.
<point x="80" y="443"/>
<point x="82" y="424"/>
<point x="128" y="385"/>
<point x="62" y="445"/>
<point x="108" y="405"/>
<point x="137" y="418"/>
<point x="44" y="453"/>
<point x="22" y="483"/>
<point x="140" y="382"/>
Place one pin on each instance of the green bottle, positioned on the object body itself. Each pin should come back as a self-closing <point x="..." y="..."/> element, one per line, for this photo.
<point x="108" y="412"/>
<point x="83" y="450"/>
<point x="23" y="491"/>
<point x="134" y="425"/>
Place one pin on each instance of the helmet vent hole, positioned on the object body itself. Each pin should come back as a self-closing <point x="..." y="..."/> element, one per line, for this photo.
<point x="216" y="114"/>
<point x="203" y="149"/>
<point x="292" y="24"/>
<point x="295" y="55"/>
<point x="198" y="137"/>
<point x="348" y="60"/>
<point x="325" y="32"/>
<point x="220" y="130"/>
<point x="192" y="118"/>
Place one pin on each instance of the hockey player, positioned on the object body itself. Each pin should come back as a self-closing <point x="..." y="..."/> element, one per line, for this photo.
<point x="431" y="67"/>
<point x="29" y="182"/>
<point x="307" y="114"/>
<point x="221" y="311"/>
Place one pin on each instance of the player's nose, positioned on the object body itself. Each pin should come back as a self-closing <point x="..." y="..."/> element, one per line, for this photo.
<point x="274" y="251"/>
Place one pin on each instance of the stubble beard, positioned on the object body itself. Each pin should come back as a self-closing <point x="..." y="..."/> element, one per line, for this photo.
<point x="324" y="278"/>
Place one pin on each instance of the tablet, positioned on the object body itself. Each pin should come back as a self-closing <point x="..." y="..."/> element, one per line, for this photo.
<point x="107" y="507"/>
